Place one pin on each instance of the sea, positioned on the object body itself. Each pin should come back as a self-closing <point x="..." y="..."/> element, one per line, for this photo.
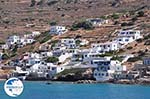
<point x="61" y="90"/>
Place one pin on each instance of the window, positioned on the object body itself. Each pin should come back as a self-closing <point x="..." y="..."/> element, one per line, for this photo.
<point x="53" y="68"/>
<point x="122" y="32"/>
<point x="95" y="74"/>
<point x="106" y="74"/>
<point x="99" y="74"/>
<point x="126" y="39"/>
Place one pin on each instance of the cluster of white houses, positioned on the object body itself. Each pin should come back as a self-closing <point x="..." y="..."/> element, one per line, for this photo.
<point x="68" y="51"/>
<point x="107" y="68"/>
<point x="128" y="36"/>
<point x="20" y="41"/>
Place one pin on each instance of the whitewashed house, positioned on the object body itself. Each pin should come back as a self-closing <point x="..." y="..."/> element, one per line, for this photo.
<point x="45" y="70"/>
<point x="84" y="42"/>
<point x="4" y="46"/>
<point x="63" y="57"/>
<point x="54" y="69"/>
<point x="29" y="41"/>
<point x="96" y="22"/>
<point x="46" y="54"/>
<point x="32" y="35"/>
<point x="86" y="55"/>
<point x="128" y="36"/>
<point x="146" y="61"/>
<point x="58" y="30"/>
<point x="20" y="41"/>
<point x="105" y="47"/>
<point x="40" y="69"/>
<point x="45" y="47"/>
<point x="35" y="33"/>
<point x="29" y="59"/>
<point x="106" y="69"/>
<point x="69" y="43"/>
<point x="13" y="40"/>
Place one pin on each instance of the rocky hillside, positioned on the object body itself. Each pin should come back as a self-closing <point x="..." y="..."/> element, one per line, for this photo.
<point x="21" y="16"/>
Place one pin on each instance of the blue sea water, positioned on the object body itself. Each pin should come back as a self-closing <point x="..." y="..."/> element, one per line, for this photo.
<point x="40" y="90"/>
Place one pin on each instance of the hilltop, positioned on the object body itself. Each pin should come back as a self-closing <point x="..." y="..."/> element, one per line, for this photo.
<point x="21" y="16"/>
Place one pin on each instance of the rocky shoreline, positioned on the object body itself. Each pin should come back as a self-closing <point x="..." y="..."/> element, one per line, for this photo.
<point x="141" y="81"/>
<point x="125" y="81"/>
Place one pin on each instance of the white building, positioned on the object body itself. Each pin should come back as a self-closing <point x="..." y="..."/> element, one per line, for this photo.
<point x="35" y="33"/>
<point x="106" y="69"/>
<point x="4" y="46"/>
<point x="69" y="43"/>
<point x="46" y="54"/>
<point x="97" y="21"/>
<point x="62" y="58"/>
<point x="31" y="59"/>
<point x="32" y="35"/>
<point x="105" y="47"/>
<point x="46" y="70"/>
<point x="40" y="69"/>
<point x="84" y="42"/>
<point x="54" y="69"/>
<point x="58" y="30"/>
<point x="13" y="40"/>
<point x="20" y="41"/>
<point x="146" y="61"/>
<point x="85" y="55"/>
<point x="29" y="41"/>
<point x="128" y="36"/>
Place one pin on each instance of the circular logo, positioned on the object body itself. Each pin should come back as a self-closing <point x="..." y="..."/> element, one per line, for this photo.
<point x="13" y="87"/>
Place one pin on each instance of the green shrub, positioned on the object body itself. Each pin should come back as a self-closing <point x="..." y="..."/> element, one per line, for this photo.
<point x="84" y="25"/>
<point x="52" y="2"/>
<point x="134" y="19"/>
<point x="139" y="40"/>
<point x="115" y="16"/>
<point x="147" y="37"/>
<point x="134" y="59"/>
<point x="44" y="37"/>
<point x="53" y="23"/>
<point x="33" y="2"/>
<point x="140" y="14"/>
<point x="52" y="59"/>
<point x="40" y="2"/>
<point x="2" y="42"/>
<point x="147" y="42"/>
<point x="127" y="24"/>
<point x="78" y="42"/>
<point x="5" y="56"/>
<point x="129" y="48"/>
<point x="116" y="58"/>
